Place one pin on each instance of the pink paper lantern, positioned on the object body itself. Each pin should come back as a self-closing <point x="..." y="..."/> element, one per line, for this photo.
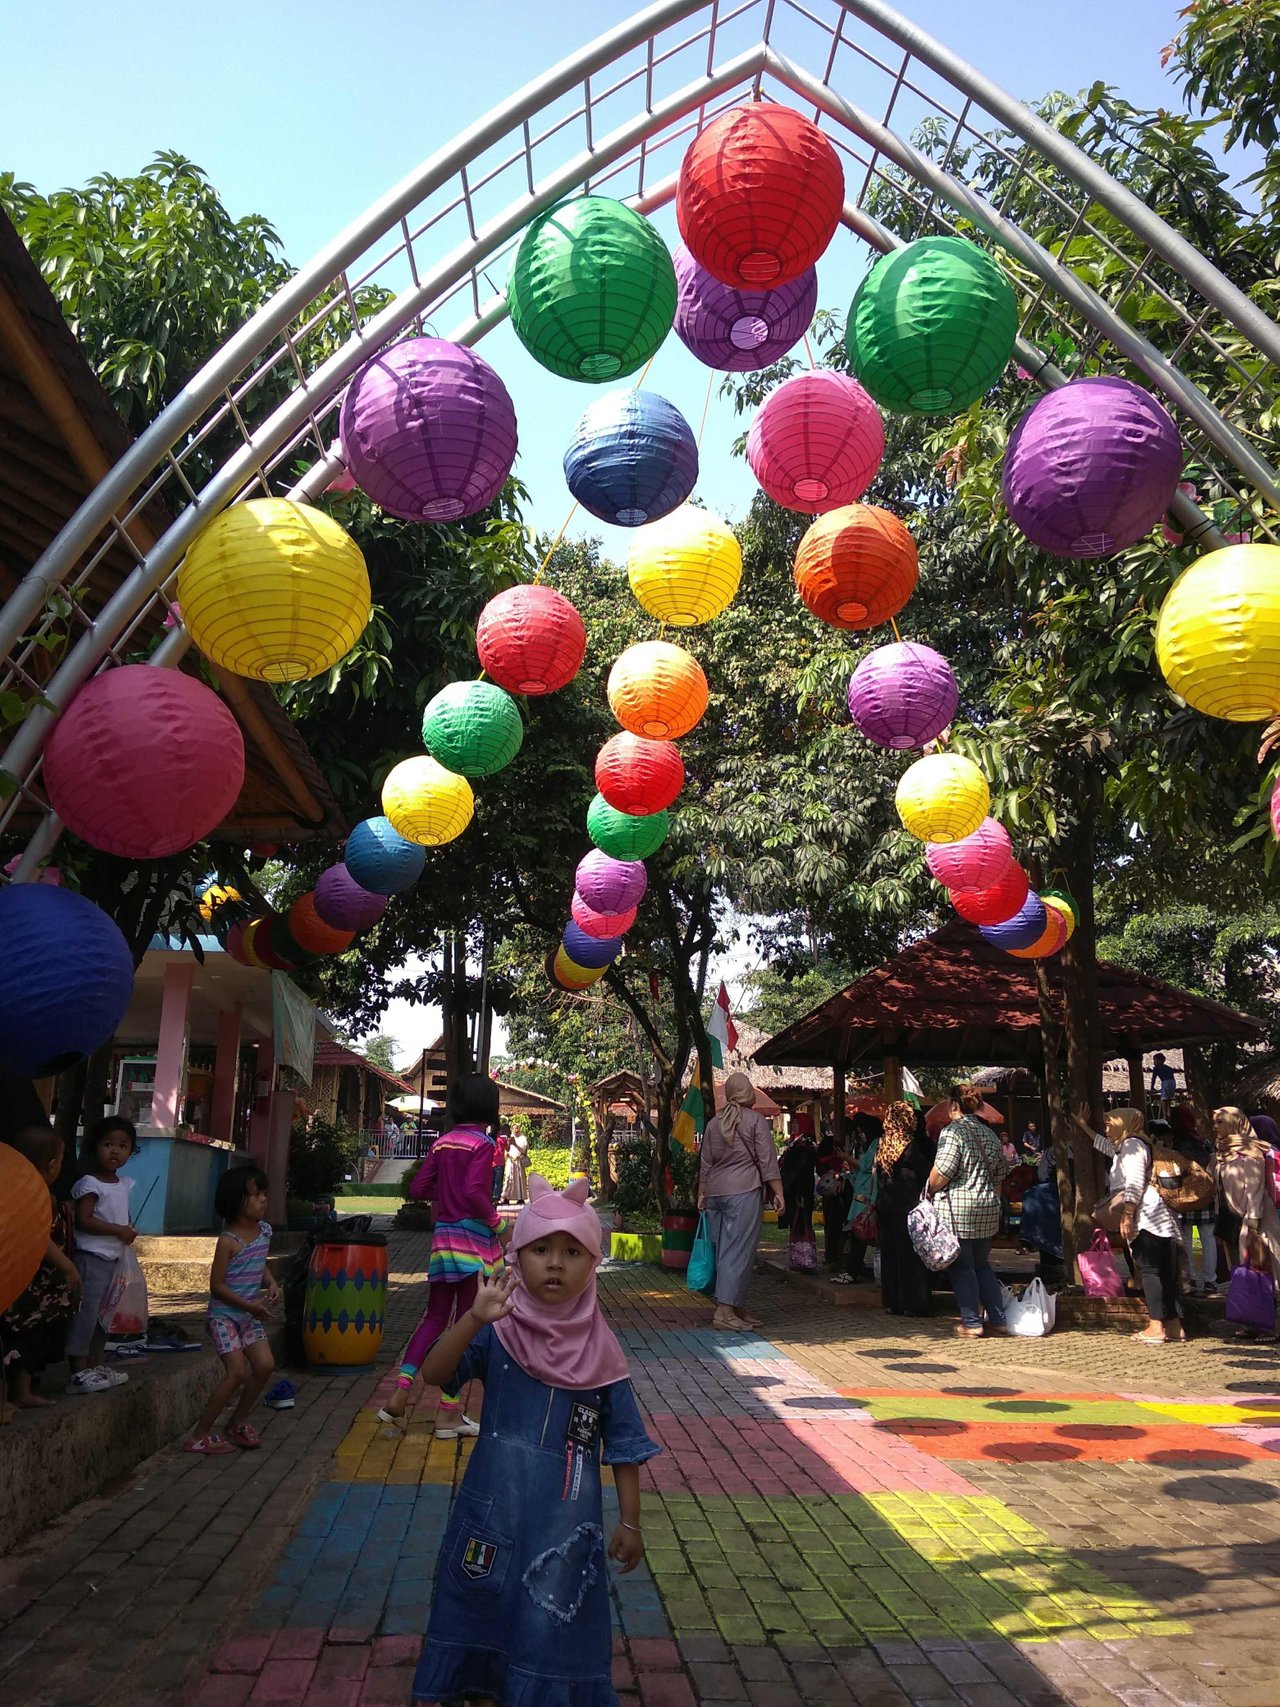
<point x="902" y="695"/>
<point x="816" y="442"/>
<point x="995" y="902"/>
<point x="610" y="885"/>
<point x="600" y="924"/>
<point x="341" y="902"/>
<point x="974" y="862"/>
<point x="144" y="762"/>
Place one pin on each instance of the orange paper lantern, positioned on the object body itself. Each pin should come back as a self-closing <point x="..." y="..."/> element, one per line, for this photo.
<point x="856" y="567"/>
<point x="24" y="1224"/>
<point x="310" y="931"/>
<point x="1049" y="941"/>
<point x="657" y="689"/>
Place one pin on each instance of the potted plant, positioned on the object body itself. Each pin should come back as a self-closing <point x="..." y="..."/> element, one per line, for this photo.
<point x="679" y="1207"/>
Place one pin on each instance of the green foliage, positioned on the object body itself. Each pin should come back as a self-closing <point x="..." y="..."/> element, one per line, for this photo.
<point x="552" y="1161"/>
<point x="1227" y="56"/>
<point x="635" y="1194"/>
<point x="775" y="996"/>
<point x="682" y="1191"/>
<point x="381" y="1050"/>
<point x="320" y="1153"/>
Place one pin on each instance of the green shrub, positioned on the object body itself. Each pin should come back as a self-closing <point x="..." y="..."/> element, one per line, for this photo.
<point x="352" y="1188"/>
<point x="634" y="1194"/>
<point x="551" y="1161"/>
<point x="320" y="1153"/>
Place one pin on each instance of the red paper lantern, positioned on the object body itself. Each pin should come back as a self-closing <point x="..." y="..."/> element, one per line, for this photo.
<point x="531" y="640"/>
<point x="234" y="944"/>
<point x="760" y="195"/>
<point x="856" y="567"/>
<point x="600" y="924"/>
<point x="638" y="775"/>
<point x="310" y="931"/>
<point x="995" y="903"/>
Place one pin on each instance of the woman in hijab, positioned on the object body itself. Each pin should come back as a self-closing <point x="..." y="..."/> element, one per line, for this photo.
<point x="1242" y="1171"/>
<point x="797" y="1167"/>
<point x="738" y="1161"/>
<point x="515" y="1180"/>
<point x="1148" y="1226"/>
<point x="902" y="1162"/>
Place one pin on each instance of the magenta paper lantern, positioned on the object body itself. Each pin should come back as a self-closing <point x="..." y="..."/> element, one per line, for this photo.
<point x="429" y="430"/>
<point x="997" y="901"/>
<point x="736" y="330"/>
<point x="341" y="902"/>
<point x="902" y="695"/>
<point x="975" y="861"/>
<point x="144" y="762"/>
<point x="1026" y="925"/>
<point x="1091" y="468"/>
<point x="816" y="442"/>
<point x="610" y="885"/>
<point x="600" y="924"/>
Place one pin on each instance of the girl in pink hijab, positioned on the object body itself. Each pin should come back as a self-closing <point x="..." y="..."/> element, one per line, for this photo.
<point x="520" y="1613"/>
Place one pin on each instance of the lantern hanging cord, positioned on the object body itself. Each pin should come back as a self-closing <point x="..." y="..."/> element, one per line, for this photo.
<point x="644" y="373"/>
<point x="551" y="549"/>
<point x="706" y="404"/>
<point x="894" y="626"/>
<point x="809" y="352"/>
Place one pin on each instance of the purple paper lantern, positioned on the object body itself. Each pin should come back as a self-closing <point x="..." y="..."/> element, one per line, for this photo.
<point x="902" y="695"/>
<point x="1091" y="468"/>
<point x="1022" y="929"/>
<point x="974" y="862"/>
<point x="429" y="430"/>
<point x="341" y="902"/>
<point x="740" y="331"/>
<point x="610" y="885"/>
<point x="587" y="950"/>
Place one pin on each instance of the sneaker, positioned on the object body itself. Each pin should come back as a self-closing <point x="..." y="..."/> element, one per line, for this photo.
<point x="463" y="1429"/>
<point x="281" y="1396"/>
<point x="95" y="1381"/>
<point x="842" y="1280"/>
<point x="112" y="1377"/>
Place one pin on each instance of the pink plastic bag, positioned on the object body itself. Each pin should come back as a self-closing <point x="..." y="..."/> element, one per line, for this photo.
<point x="1098" y="1272"/>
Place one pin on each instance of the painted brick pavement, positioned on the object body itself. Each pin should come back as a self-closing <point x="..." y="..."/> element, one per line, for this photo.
<point x="843" y="1512"/>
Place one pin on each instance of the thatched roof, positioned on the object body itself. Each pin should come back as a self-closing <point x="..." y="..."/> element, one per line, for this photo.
<point x="791" y="1082"/>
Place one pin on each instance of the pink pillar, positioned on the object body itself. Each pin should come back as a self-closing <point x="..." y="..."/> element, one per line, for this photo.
<point x="171" y="1049"/>
<point x="226" y="1076"/>
<point x="264" y="1082"/>
<point x="277" y="1165"/>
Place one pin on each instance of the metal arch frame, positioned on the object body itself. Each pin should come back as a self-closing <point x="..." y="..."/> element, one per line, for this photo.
<point x="314" y="394"/>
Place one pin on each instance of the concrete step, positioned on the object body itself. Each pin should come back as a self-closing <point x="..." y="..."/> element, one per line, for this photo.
<point x="173" y="1264"/>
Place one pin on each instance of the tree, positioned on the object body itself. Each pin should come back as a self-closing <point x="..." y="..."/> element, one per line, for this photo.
<point x="381" y="1051"/>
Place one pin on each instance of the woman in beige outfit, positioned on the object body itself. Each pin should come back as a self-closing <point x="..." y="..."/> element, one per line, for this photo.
<point x="1241" y="1171"/>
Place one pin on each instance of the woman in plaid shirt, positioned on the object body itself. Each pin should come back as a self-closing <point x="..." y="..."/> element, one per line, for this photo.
<point x="969" y="1167"/>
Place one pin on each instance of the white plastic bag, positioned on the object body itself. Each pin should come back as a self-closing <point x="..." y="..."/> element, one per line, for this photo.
<point x="124" y="1309"/>
<point x="1033" y="1315"/>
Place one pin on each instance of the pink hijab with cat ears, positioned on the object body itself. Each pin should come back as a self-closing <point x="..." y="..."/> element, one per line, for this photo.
<point x="549" y="1211"/>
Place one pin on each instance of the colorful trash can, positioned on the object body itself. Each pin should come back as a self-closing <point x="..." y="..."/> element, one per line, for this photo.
<point x="677" y="1240"/>
<point x="346" y="1300"/>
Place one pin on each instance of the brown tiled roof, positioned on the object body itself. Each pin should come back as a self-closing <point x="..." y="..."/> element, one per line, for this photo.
<point x="338" y="1055"/>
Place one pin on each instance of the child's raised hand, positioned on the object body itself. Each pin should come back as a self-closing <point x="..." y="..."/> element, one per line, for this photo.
<point x="627" y="1547"/>
<point x="493" y="1296"/>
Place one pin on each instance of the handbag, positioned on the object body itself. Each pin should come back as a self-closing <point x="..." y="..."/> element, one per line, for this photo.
<point x="1251" y="1299"/>
<point x="803" y="1256"/>
<point x="829" y="1183"/>
<point x="865" y="1225"/>
<point x="1034" y="1314"/>
<point x="700" y="1276"/>
<point x="1098" y="1272"/>
<point x="935" y="1243"/>
<point x="1183" y="1185"/>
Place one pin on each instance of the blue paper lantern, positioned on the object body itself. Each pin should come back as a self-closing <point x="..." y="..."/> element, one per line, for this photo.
<point x="66" y="975"/>
<point x="586" y="950"/>
<point x="1022" y="929"/>
<point x="380" y="859"/>
<point x="633" y="458"/>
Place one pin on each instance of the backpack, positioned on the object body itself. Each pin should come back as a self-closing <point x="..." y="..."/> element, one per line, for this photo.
<point x="1182" y="1184"/>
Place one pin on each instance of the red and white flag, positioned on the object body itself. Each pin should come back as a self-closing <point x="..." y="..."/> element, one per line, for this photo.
<point x="721" y="1030"/>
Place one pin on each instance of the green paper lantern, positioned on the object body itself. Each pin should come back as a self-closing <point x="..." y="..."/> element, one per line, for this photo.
<point x="592" y="291"/>
<point x="932" y="326"/>
<point x="472" y="728"/>
<point x="624" y="835"/>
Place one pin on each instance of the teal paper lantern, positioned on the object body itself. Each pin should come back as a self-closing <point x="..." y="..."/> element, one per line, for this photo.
<point x="624" y="835"/>
<point x="472" y="728"/>
<point x="592" y="291"/>
<point x="932" y="326"/>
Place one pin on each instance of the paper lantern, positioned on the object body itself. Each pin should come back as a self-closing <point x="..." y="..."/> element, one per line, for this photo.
<point x="623" y="835"/>
<point x="932" y="326"/>
<point x="1091" y="468"/>
<point x="816" y="442"/>
<point x="381" y="860"/>
<point x="1024" y="928"/>
<point x="531" y="640"/>
<point x="686" y="568"/>
<point x="1065" y="903"/>
<point x="637" y="775"/>
<point x="610" y="885"/>
<point x="473" y="728"/>
<point x="601" y="924"/>
<point x="342" y="902"/>
<point x="760" y="194"/>
<point x="313" y="933"/>
<point x="234" y="944"/>
<point x="903" y="695"/>
<point x="736" y="330"/>
<point x="974" y="862"/>
<point x="249" y="943"/>
<point x="996" y="902"/>
<point x="942" y="797"/>
<point x="592" y="290"/>
<point x="633" y="458"/>
<point x="282" y="948"/>
<point x="1218" y="634"/>
<point x="215" y="899"/>
<point x="856" y="566"/>
<point x="429" y="430"/>
<point x="657" y="689"/>
<point x="144" y="762"/>
<point x="66" y="976"/>
<point x="425" y="803"/>
<point x="1050" y="940"/>
<point x="24" y="1224"/>
<point x="589" y="951"/>
<point x="274" y="590"/>
<point x="570" y="976"/>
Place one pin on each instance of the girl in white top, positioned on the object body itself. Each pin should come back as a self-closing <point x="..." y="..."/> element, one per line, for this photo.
<point x="1148" y="1226"/>
<point x="103" y="1229"/>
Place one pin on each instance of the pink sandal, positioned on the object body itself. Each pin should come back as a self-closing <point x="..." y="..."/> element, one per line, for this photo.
<point x="245" y="1435"/>
<point x="209" y="1446"/>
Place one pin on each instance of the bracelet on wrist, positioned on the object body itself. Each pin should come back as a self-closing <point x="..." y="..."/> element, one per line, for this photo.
<point x="633" y="1527"/>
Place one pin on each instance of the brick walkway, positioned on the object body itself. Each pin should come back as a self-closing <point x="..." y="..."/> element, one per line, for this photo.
<point x="845" y="1512"/>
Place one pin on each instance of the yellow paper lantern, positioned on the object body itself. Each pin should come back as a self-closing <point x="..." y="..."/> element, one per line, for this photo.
<point x="1218" y="634"/>
<point x="685" y="569"/>
<point x="943" y="798"/>
<point x="274" y="590"/>
<point x="657" y="689"/>
<point x="425" y="803"/>
<point x="1060" y="907"/>
<point x="573" y="976"/>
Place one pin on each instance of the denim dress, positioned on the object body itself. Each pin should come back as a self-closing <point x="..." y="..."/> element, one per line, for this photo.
<point x="521" y="1603"/>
